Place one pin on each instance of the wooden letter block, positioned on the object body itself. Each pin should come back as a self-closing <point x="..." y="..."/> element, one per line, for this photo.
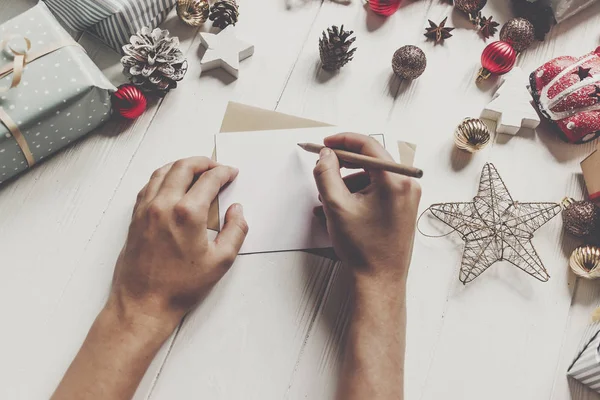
<point x="591" y="173"/>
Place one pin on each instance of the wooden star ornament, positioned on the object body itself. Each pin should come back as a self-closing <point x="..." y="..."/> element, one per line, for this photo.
<point x="496" y="228"/>
<point x="224" y="50"/>
<point x="438" y="32"/>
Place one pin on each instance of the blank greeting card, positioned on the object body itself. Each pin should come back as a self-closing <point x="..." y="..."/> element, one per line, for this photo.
<point x="276" y="187"/>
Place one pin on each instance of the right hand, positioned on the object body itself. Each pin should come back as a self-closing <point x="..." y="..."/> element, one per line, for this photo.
<point x="371" y="215"/>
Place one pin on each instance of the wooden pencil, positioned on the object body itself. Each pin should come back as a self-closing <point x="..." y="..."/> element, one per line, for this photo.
<point x="366" y="161"/>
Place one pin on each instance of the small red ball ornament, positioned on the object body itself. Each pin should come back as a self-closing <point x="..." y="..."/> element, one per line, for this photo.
<point x="129" y="101"/>
<point x="384" y="7"/>
<point x="497" y="58"/>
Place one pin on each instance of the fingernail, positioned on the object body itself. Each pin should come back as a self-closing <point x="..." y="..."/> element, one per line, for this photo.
<point x="238" y="208"/>
<point x="324" y="152"/>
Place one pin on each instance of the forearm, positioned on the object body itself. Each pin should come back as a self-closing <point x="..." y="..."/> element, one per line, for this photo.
<point x="373" y="366"/>
<point x="112" y="360"/>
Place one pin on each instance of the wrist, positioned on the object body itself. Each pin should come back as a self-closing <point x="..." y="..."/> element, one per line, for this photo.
<point x="380" y="294"/>
<point x="133" y="320"/>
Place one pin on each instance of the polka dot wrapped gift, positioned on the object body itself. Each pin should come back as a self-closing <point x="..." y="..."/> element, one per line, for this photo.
<point x="566" y="91"/>
<point x="51" y="93"/>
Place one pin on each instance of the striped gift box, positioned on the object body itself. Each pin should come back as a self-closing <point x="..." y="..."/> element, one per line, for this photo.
<point x="586" y="366"/>
<point x="114" y="21"/>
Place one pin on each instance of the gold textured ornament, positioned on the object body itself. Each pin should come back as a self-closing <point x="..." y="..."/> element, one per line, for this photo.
<point x="472" y="135"/>
<point x="409" y="62"/>
<point x="585" y="262"/>
<point x="519" y="32"/>
<point x="193" y="12"/>
<point x="581" y="218"/>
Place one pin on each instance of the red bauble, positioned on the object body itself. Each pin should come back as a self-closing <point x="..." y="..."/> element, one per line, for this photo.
<point x="129" y="101"/>
<point x="497" y="58"/>
<point x="384" y="7"/>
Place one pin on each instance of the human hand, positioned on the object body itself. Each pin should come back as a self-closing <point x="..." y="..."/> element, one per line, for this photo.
<point x="371" y="215"/>
<point x="168" y="263"/>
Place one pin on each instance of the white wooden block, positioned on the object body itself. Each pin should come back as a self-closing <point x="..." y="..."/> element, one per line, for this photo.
<point x="224" y="50"/>
<point x="511" y="106"/>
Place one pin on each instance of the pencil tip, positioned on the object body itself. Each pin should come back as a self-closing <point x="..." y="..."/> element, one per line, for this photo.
<point x="301" y="145"/>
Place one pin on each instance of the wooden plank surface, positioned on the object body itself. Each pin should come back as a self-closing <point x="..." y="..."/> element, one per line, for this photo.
<point x="272" y="328"/>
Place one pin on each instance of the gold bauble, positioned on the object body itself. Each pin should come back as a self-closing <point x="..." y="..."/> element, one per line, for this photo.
<point x="585" y="262"/>
<point x="471" y="135"/>
<point x="193" y="12"/>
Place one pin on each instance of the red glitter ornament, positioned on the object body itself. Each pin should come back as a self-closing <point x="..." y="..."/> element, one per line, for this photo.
<point x="129" y="101"/>
<point x="384" y="7"/>
<point x="497" y="58"/>
<point x="565" y="91"/>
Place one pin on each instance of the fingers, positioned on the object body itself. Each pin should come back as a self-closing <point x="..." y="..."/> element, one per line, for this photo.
<point x="151" y="189"/>
<point x="332" y="189"/>
<point x="357" y="182"/>
<point x="232" y="236"/>
<point x="357" y="143"/>
<point x="181" y="175"/>
<point x="319" y="212"/>
<point x="207" y="187"/>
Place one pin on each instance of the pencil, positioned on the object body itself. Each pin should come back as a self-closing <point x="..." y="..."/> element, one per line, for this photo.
<point x="366" y="161"/>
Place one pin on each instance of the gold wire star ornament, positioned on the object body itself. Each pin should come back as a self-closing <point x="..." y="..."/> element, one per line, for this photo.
<point x="495" y="228"/>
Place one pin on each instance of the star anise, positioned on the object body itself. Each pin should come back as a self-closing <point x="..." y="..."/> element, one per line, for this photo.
<point x="487" y="27"/>
<point x="596" y="94"/>
<point x="438" y="32"/>
<point x="583" y="72"/>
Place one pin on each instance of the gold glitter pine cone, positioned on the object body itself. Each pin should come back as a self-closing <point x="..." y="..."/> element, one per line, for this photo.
<point x="585" y="261"/>
<point x="472" y="135"/>
<point x="193" y="12"/>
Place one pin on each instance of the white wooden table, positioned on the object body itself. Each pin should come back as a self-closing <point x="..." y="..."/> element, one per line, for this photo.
<point x="271" y="328"/>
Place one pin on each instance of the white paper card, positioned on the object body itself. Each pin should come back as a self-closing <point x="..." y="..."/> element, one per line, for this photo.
<point x="275" y="186"/>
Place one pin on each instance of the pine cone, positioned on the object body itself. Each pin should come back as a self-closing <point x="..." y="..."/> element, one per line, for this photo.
<point x="538" y="13"/>
<point x="335" y="49"/>
<point x="153" y="61"/>
<point x="224" y="13"/>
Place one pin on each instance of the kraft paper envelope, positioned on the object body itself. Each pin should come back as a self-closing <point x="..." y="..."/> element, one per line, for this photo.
<point x="243" y="118"/>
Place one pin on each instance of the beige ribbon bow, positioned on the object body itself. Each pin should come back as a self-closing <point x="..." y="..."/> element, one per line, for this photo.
<point x="19" y="62"/>
<point x="21" y="59"/>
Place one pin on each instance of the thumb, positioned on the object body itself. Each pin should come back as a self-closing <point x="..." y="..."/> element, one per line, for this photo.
<point x="328" y="178"/>
<point x="229" y="241"/>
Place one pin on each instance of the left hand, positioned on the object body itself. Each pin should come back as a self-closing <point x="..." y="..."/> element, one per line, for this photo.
<point x="168" y="263"/>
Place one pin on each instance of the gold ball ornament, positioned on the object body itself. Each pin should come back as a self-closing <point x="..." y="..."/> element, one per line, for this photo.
<point x="193" y="12"/>
<point x="409" y="62"/>
<point x="585" y="262"/>
<point x="519" y="32"/>
<point x="472" y="135"/>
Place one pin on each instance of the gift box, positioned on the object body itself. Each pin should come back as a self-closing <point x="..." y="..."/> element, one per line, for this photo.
<point x="591" y="174"/>
<point x="564" y="9"/>
<point x="51" y="93"/>
<point x="586" y="366"/>
<point x="113" y="21"/>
